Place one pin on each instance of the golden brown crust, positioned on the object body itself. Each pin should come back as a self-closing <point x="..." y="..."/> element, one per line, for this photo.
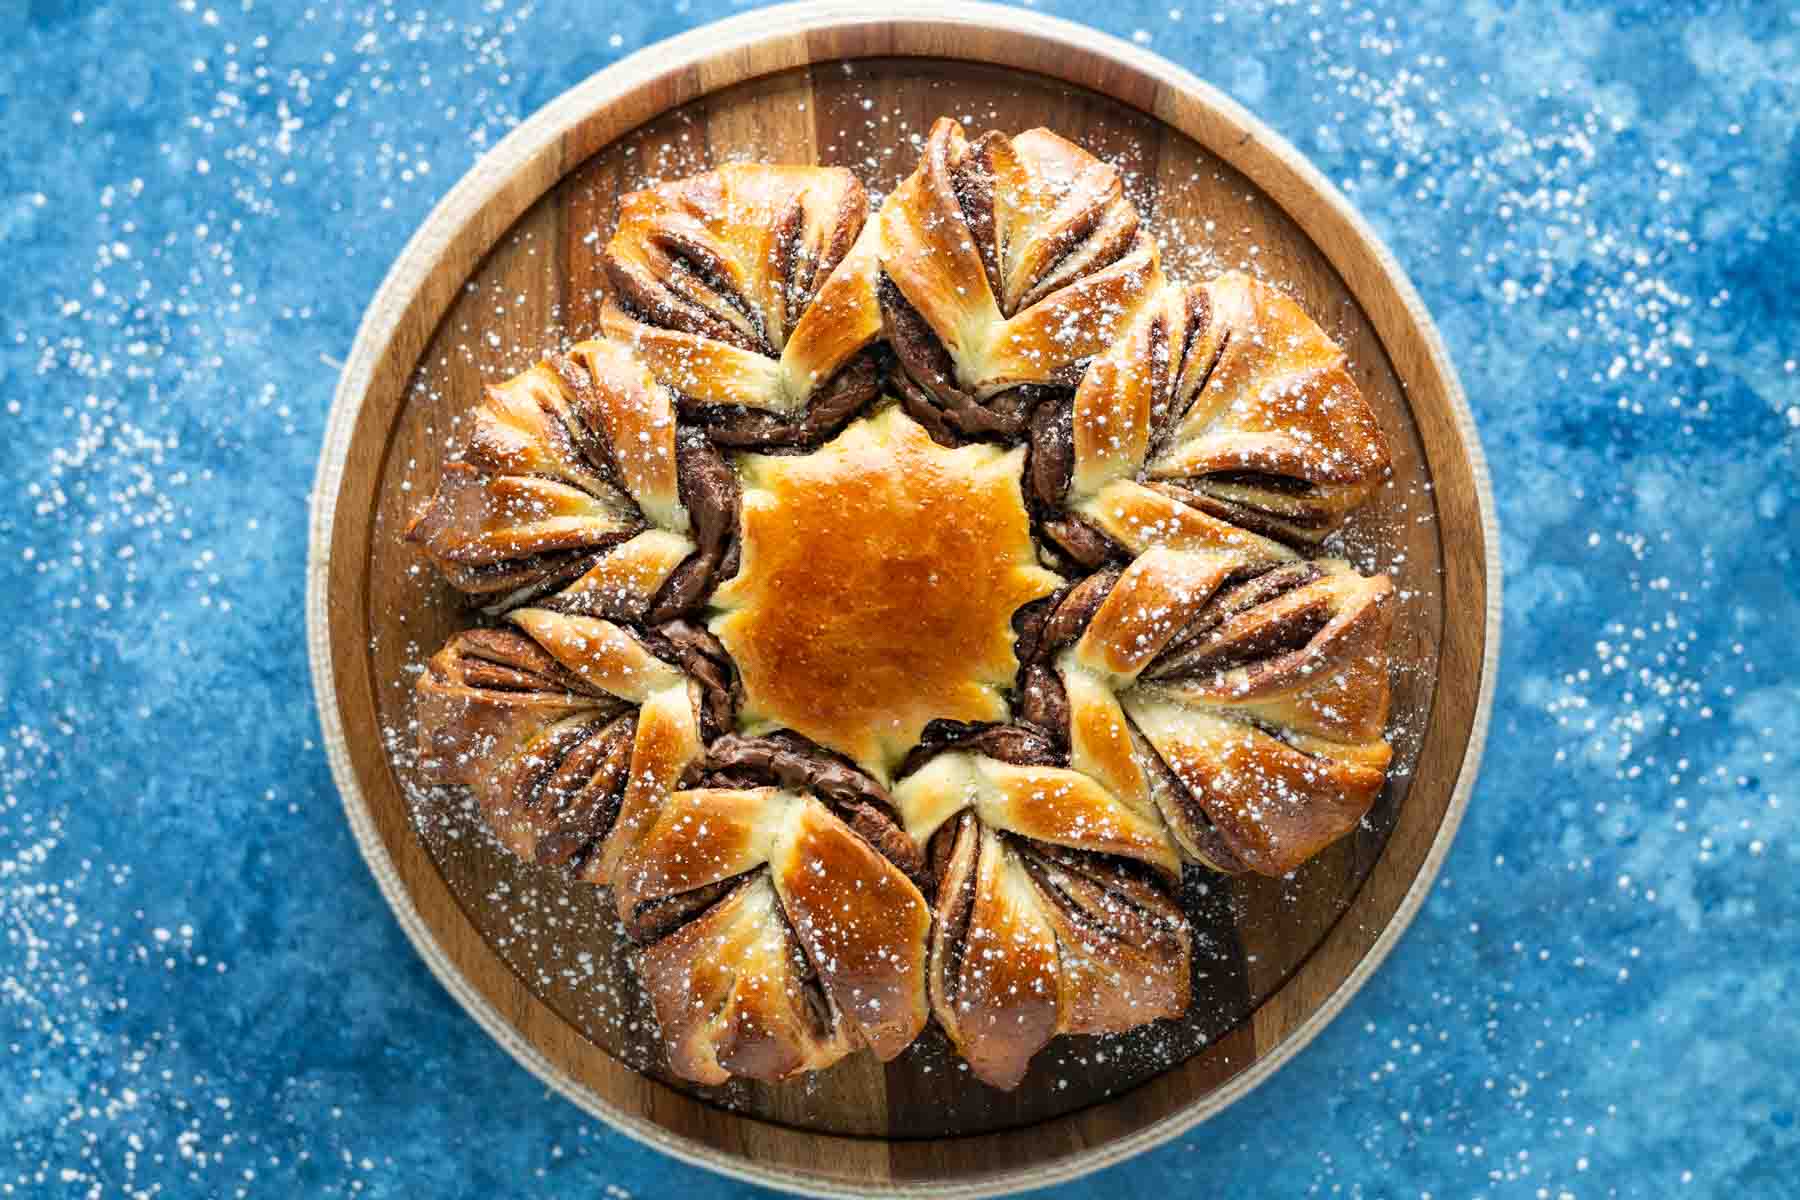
<point x="1139" y="517"/>
<point x="992" y="969"/>
<point x="1155" y="598"/>
<point x="627" y="581"/>
<point x="666" y="744"/>
<point x="604" y="656"/>
<point x="1274" y="803"/>
<point x="498" y="533"/>
<point x="1030" y="943"/>
<point x="877" y="586"/>
<point x="1101" y="741"/>
<point x="1055" y="805"/>
<point x="1052" y="911"/>
<point x="1267" y="662"/>
<point x="569" y="734"/>
<point x="1123" y="940"/>
<point x="616" y="398"/>
<point x="1125" y="665"/>
<point x="1265" y="703"/>
<point x="542" y="751"/>
<point x="734" y="994"/>
<point x="864" y="924"/>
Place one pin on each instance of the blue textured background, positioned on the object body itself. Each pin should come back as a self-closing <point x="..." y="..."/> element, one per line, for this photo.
<point x="201" y="992"/>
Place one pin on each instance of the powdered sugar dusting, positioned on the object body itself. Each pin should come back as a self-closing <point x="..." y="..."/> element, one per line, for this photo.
<point x="201" y="198"/>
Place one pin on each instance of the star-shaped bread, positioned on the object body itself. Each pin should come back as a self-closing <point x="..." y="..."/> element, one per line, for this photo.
<point x="878" y="583"/>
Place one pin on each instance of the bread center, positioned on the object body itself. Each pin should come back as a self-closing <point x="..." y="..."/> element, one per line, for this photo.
<point x="877" y="585"/>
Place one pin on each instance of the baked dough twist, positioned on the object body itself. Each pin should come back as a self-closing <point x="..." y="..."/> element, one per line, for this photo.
<point x="750" y="290"/>
<point x="1243" y="703"/>
<point x="574" y="480"/>
<point x="780" y="938"/>
<point x="570" y="730"/>
<point x="1053" y="909"/>
<point x="1222" y="402"/>
<point x="1005" y="264"/>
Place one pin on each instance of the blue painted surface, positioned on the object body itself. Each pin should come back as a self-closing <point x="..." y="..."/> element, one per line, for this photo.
<point x="202" y="993"/>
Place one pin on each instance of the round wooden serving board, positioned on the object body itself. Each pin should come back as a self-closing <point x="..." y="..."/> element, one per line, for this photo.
<point x="507" y="267"/>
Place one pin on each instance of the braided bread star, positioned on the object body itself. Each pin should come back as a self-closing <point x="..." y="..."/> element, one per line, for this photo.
<point x="887" y="722"/>
<point x="1006" y="262"/>
<point x="750" y="291"/>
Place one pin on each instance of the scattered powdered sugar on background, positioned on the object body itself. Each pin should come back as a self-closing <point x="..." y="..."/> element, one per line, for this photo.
<point x="201" y="992"/>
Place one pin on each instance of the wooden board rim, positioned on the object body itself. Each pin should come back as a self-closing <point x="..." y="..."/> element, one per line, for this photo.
<point x="506" y="181"/>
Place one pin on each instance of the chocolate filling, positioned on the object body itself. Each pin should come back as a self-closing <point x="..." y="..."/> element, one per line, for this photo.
<point x="709" y="489"/>
<point x="656" y="919"/>
<point x="1014" y="744"/>
<point x="694" y="265"/>
<point x="1199" y="647"/>
<point x="527" y="575"/>
<point x="855" y="385"/>
<point x="1049" y="465"/>
<point x="955" y="860"/>
<point x="1050" y="461"/>
<point x="1165" y="412"/>
<point x="582" y="798"/>
<point x="567" y="775"/>
<point x="972" y="180"/>
<point x="1279" y="526"/>
<point x="1043" y="702"/>
<point x="1197" y="829"/>
<point x="504" y="660"/>
<point x="699" y="655"/>
<point x="786" y="759"/>
<point x="1116" y="898"/>
<point x="594" y="446"/>
<point x="1044" y="628"/>
<point x="800" y="270"/>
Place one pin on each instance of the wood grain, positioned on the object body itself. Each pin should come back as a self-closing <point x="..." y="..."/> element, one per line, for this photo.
<point x="506" y="268"/>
